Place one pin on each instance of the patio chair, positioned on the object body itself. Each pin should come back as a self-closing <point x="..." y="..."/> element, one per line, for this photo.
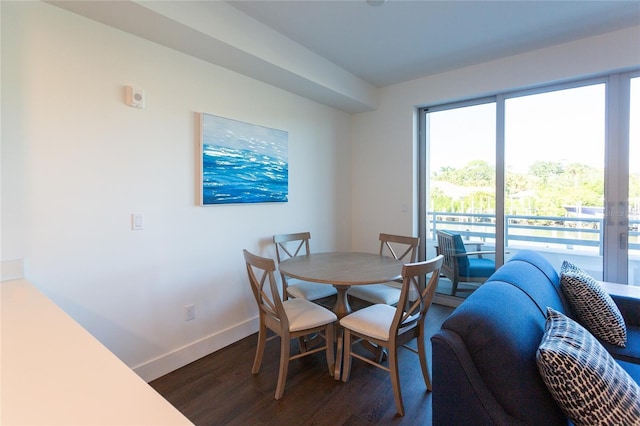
<point x="460" y="265"/>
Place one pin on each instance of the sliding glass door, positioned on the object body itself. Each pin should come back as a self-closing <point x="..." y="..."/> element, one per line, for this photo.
<point x="554" y="174"/>
<point x="461" y="160"/>
<point x="555" y="169"/>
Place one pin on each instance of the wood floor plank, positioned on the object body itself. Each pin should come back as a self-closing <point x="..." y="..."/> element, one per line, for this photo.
<point x="219" y="389"/>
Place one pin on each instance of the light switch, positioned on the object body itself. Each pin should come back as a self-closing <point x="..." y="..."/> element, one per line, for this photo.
<point x="137" y="222"/>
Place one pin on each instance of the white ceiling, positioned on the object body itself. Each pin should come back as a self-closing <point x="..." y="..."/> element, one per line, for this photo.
<point x="402" y="40"/>
<point x="338" y="52"/>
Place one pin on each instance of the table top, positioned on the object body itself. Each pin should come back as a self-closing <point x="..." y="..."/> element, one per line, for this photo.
<point x="343" y="268"/>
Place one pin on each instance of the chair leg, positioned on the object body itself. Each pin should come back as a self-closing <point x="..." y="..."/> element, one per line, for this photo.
<point x="454" y="286"/>
<point x="328" y="336"/>
<point x="262" y="338"/>
<point x="422" y="354"/>
<point x="346" y="359"/>
<point x="285" y="343"/>
<point x="395" y="379"/>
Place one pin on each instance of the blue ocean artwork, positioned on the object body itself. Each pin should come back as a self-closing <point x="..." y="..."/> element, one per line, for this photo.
<point x="243" y="162"/>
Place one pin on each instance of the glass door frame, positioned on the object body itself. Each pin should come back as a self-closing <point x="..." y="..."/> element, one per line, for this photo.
<point x="616" y="164"/>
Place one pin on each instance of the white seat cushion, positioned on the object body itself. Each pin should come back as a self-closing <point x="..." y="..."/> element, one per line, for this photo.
<point x="303" y="314"/>
<point x="374" y="321"/>
<point x="376" y="293"/>
<point x="307" y="290"/>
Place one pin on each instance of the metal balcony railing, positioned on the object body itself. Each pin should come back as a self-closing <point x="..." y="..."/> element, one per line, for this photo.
<point x="567" y="233"/>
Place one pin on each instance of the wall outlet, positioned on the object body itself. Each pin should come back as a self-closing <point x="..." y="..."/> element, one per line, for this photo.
<point x="190" y="312"/>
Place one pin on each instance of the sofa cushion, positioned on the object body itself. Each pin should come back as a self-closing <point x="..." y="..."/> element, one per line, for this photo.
<point x="542" y="263"/>
<point x="544" y="267"/>
<point x="535" y="284"/>
<point x="502" y="344"/>
<point x="588" y="384"/>
<point x="628" y="308"/>
<point x="631" y="351"/>
<point x="632" y="369"/>
<point x="594" y="308"/>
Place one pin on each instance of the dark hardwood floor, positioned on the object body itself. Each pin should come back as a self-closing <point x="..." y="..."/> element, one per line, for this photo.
<point x="219" y="389"/>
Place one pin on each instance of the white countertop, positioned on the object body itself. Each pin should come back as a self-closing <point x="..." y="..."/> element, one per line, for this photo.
<point x="53" y="372"/>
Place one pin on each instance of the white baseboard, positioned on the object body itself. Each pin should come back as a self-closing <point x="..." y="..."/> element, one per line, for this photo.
<point x="12" y="269"/>
<point x="165" y="364"/>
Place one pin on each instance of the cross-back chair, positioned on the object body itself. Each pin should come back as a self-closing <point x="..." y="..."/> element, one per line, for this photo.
<point x="290" y="319"/>
<point x="297" y="244"/>
<point x="399" y="247"/>
<point x="461" y="265"/>
<point x="393" y="327"/>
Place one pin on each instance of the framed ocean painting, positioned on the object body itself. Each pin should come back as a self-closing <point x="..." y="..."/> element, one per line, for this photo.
<point x="242" y="162"/>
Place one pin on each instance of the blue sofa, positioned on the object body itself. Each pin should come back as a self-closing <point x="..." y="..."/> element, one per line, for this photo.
<point x="484" y="355"/>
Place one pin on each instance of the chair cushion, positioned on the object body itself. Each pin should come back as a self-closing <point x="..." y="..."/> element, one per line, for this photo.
<point x="586" y="382"/>
<point x="374" y="321"/>
<point x="463" y="261"/>
<point x="303" y="314"/>
<point x="480" y="267"/>
<point x="594" y="308"/>
<point x="386" y="294"/>
<point x="469" y="266"/>
<point x="308" y="290"/>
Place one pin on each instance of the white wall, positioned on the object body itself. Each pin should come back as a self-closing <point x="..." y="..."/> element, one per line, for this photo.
<point x="77" y="162"/>
<point x="384" y="141"/>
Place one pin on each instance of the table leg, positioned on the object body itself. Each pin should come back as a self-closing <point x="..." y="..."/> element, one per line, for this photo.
<point x="342" y="307"/>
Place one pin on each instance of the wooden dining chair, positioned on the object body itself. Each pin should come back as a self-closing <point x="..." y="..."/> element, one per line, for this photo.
<point x="392" y="327"/>
<point x="290" y="319"/>
<point x="399" y="247"/>
<point x="297" y="244"/>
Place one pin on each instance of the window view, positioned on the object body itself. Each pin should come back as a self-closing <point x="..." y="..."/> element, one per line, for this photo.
<point x="554" y="175"/>
<point x="462" y="187"/>
<point x="551" y="145"/>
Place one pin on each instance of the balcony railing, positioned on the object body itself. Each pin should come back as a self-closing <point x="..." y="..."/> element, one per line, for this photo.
<point x="554" y="232"/>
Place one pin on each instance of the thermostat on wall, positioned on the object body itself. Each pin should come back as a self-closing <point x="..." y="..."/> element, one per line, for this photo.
<point x="134" y="96"/>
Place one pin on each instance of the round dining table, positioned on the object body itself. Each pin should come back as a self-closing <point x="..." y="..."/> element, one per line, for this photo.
<point x="342" y="270"/>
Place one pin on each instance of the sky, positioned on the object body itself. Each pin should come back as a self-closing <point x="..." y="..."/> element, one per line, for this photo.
<point x="563" y="126"/>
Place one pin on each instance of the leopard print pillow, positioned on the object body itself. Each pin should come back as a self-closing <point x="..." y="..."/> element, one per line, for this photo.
<point x="587" y="383"/>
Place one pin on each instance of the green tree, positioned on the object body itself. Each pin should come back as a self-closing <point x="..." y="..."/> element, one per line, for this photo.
<point x="545" y="169"/>
<point x="544" y="190"/>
